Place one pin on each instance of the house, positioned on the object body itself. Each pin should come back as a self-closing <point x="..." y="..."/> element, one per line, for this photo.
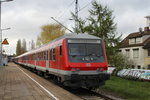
<point x="136" y="46"/>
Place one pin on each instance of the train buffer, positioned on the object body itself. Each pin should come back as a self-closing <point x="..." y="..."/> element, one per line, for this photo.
<point x="17" y="83"/>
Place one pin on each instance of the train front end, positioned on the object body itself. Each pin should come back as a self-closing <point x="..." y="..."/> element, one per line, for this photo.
<point x="87" y="63"/>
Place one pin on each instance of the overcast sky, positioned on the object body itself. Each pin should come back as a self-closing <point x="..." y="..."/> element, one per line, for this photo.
<point x="25" y="17"/>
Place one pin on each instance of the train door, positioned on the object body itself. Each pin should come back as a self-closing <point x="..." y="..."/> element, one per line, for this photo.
<point x="34" y="59"/>
<point x="52" y="61"/>
<point x="59" y="57"/>
<point x="47" y="61"/>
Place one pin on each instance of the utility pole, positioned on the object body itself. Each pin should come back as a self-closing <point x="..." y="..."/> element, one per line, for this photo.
<point x="76" y="15"/>
<point x="1" y="52"/>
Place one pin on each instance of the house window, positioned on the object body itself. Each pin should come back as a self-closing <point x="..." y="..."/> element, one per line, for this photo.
<point x="128" y="52"/>
<point x="133" y="66"/>
<point x="132" y="41"/>
<point x="149" y="52"/>
<point x="135" y="53"/>
<point x="148" y="66"/>
<point x="138" y="40"/>
<point x="139" y="67"/>
<point x="119" y="51"/>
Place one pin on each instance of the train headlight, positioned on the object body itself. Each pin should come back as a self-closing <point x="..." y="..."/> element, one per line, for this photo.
<point x="75" y="69"/>
<point x="100" y="69"/>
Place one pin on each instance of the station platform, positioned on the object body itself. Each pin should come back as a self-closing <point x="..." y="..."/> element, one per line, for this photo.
<point x="17" y="83"/>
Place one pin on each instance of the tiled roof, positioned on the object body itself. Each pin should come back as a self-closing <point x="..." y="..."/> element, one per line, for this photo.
<point x="125" y="42"/>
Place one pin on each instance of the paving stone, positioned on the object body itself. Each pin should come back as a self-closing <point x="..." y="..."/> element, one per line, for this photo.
<point x="15" y="85"/>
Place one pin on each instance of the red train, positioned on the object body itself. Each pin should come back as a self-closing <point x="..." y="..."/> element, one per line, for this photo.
<point x="75" y="60"/>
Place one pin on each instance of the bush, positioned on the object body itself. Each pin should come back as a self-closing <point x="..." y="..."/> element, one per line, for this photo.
<point x="120" y="62"/>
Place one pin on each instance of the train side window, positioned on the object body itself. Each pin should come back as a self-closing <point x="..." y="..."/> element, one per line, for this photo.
<point x="34" y="57"/>
<point x="54" y="54"/>
<point x="60" y="50"/>
<point x="41" y="56"/>
<point x="46" y="55"/>
<point x="51" y="54"/>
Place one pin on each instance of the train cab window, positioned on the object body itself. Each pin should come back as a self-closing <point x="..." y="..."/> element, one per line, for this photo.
<point x="94" y="49"/>
<point x="60" y="50"/>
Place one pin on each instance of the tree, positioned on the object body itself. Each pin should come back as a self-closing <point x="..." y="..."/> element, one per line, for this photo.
<point x="49" y="33"/>
<point x="18" y="47"/>
<point x="32" y="44"/>
<point x="81" y="22"/>
<point x="100" y="22"/>
<point x="24" y="46"/>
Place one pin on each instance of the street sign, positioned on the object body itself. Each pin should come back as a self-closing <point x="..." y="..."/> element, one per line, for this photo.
<point x="5" y="42"/>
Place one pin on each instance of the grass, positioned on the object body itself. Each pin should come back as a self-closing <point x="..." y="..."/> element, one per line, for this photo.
<point x="128" y="89"/>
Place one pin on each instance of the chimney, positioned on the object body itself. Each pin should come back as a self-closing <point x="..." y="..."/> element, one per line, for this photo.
<point x="146" y="29"/>
<point x="147" y="21"/>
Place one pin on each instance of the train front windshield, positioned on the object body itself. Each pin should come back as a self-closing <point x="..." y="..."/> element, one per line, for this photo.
<point x="85" y="52"/>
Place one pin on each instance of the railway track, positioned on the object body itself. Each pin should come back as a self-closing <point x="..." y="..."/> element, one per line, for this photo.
<point x="86" y="94"/>
<point x="83" y="93"/>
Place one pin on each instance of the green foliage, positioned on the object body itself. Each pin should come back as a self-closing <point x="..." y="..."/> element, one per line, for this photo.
<point x="18" y="47"/>
<point x="100" y="22"/>
<point x="120" y="61"/>
<point x="128" y="89"/>
<point x="49" y="33"/>
<point x="82" y="24"/>
<point x="23" y="47"/>
<point x="32" y="44"/>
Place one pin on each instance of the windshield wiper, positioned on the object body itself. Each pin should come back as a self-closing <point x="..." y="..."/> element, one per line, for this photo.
<point x="92" y="54"/>
<point x="73" y="55"/>
<point x="99" y="55"/>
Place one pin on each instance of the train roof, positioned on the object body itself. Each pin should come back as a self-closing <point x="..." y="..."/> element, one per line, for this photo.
<point x="77" y="36"/>
<point x="66" y="36"/>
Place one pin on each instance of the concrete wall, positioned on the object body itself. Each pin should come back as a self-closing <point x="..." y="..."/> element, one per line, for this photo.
<point x="137" y="61"/>
<point x="146" y="58"/>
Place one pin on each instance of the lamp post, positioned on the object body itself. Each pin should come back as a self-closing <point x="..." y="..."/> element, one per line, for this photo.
<point x="1" y="31"/>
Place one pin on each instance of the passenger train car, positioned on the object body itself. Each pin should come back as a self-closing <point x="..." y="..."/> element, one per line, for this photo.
<point x="74" y="60"/>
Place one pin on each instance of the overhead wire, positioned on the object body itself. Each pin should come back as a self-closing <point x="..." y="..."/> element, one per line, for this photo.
<point x="66" y="9"/>
<point x="85" y="6"/>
